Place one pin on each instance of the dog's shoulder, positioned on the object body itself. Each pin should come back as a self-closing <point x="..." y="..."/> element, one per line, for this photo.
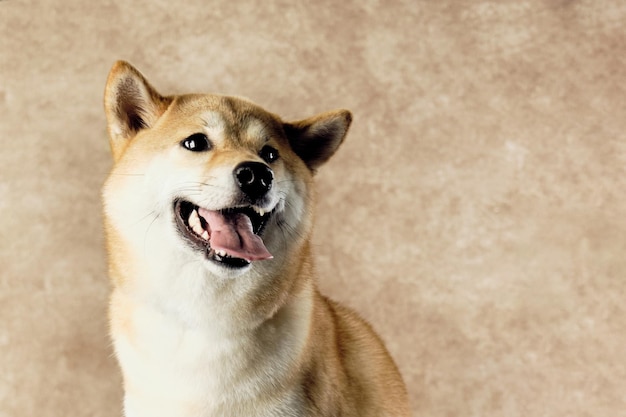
<point x="357" y="376"/>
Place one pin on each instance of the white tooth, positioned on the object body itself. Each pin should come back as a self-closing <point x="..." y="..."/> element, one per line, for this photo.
<point x="194" y="223"/>
<point x="197" y="228"/>
<point x="220" y="253"/>
<point x="194" y="220"/>
<point x="261" y="212"/>
<point x="204" y="235"/>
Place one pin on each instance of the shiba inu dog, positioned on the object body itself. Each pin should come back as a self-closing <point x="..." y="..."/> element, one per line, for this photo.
<point x="215" y="309"/>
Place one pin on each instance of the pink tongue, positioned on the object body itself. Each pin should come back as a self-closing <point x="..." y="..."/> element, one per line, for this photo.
<point x="232" y="233"/>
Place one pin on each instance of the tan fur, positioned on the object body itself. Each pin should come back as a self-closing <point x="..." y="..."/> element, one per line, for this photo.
<point x="192" y="338"/>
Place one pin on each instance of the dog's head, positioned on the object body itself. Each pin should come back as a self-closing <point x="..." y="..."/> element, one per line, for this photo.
<point x="208" y="180"/>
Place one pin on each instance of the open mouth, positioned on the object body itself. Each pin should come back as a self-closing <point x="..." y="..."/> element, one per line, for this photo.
<point x="229" y="237"/>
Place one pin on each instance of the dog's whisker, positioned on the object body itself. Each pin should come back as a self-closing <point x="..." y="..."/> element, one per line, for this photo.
<point x="145" y="238"/>
<point x="123" y="174"/>
<point x="153" y="212"/>
<point x="286" y="181"/>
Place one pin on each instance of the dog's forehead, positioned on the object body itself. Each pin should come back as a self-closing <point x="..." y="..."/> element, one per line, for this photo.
<point x="231" y="117"/>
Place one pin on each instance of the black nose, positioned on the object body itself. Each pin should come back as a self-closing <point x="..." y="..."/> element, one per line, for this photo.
<point x="254" y="179"/>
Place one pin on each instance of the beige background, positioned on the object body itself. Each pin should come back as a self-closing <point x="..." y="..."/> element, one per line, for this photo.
<point x="475" y="215"/>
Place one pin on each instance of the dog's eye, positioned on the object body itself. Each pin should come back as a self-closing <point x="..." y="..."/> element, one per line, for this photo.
<point x="198" y="142"/>
<point x="269" y="154"/>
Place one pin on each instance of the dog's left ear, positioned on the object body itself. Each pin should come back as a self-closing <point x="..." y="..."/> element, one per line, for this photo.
<point x="131" y="104"/>
<point x="317" y="138"/>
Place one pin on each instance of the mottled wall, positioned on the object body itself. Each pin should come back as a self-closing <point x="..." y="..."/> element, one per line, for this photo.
<point x="475" y="215"/>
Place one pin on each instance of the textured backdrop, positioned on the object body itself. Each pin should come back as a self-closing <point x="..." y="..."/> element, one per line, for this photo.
<point x="475" y="215"/>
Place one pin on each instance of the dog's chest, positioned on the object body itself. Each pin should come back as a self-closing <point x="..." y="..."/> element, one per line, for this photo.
<point x="170" y="370"/>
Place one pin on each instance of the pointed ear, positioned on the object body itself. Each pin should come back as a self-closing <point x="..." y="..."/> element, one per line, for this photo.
<point x="130" y="104"/>
<point x="317" y="138"/>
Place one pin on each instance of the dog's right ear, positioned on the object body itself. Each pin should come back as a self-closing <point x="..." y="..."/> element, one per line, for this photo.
<point x="131" y="104"/>
<point x="317" y="138"/>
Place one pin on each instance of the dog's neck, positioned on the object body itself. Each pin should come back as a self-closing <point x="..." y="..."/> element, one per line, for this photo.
<point x="216" y="328"/>
<point x="185" y="290"/>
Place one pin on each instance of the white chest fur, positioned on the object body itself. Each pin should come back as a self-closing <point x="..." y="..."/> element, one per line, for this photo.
<point x="171" y="369"/>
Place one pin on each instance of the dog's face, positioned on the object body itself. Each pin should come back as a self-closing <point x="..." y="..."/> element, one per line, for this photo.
<point x="209" y="181"/>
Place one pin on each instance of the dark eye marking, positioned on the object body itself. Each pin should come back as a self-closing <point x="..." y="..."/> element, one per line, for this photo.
<point x="269" y="154"/>
<point x="198" y="142"/>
